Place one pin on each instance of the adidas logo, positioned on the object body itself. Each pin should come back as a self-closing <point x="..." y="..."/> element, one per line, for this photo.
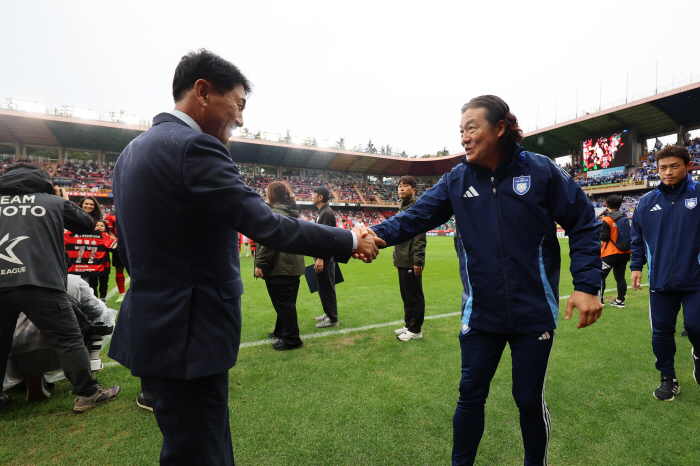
<point x="471" y="192"/>
<point x="545" y="336"/>
<point x="656" y="207"/>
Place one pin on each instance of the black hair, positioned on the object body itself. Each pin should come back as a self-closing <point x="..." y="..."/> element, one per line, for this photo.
<point x="674" y="151"/>
<point x="407" y="179"/>
<point x="96" y="213"/>
<point x="203" y="64"/>
<point x="613" y="202"/>
<point x="497" y="110"/>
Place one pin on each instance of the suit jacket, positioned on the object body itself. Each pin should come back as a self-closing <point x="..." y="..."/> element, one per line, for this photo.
<point x="182" y="315"/>
<point x="325" y="216"/>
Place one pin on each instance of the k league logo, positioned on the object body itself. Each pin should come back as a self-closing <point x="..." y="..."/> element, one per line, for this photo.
<point x="521" y="184"/>
<point x="691" y="203"/>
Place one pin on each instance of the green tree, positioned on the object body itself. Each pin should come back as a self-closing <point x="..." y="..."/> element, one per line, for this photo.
<point x="340" y="144"/>
<point x="370" y="148"/>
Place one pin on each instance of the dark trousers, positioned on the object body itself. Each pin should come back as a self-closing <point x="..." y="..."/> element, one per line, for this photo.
<point x="663" y="310"/>
<point x="481" y="352"/>
<point x="52" y="313"/>
<point x="193" y="417"/>
<point x="283" y="290"/>
<point x="618" y="264"/>
<point x="326" y="290"/>
<point x="100" y="284"/>
<point x="413" y="300"/>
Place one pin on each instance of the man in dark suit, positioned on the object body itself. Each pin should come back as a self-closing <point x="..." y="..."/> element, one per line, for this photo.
<point x="325" y="267"/>
<point x="180" y="323"/>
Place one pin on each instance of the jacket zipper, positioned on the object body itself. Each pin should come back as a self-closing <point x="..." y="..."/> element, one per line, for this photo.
<point x="673" y="249"/>
<point x="503" y="259"/>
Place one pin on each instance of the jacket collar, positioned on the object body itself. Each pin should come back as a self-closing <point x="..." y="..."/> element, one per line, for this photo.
<point x="167" y="117"/>
<point x="516" y="156"/>
<point x="680" y="188"/>
<point x="406" y="203"/>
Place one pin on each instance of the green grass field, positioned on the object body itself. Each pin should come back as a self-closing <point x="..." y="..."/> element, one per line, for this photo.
<point x="364" y="398"/>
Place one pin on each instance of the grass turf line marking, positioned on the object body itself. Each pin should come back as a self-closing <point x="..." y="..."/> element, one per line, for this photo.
<point x="356" y="329"/>
<point x="115" y="290"/>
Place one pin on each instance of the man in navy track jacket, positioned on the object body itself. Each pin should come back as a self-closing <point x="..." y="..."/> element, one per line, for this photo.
<point x="506" y="201"/>
<point x="666" y="236"/>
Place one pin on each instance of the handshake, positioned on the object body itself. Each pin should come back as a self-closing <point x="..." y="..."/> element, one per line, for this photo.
<point x="368" y="244"/>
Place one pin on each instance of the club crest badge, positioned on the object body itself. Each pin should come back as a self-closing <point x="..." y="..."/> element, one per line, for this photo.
<point x="691" y="203"/>
<point x="521" y="184"/>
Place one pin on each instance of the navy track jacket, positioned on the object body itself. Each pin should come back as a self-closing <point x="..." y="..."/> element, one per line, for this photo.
<point x="506" y="221"/>
<point x="666" y="235"/>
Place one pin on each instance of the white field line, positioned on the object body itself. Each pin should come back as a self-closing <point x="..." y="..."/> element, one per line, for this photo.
<point x="115" y="290"/>
<point x="356" y="329"/>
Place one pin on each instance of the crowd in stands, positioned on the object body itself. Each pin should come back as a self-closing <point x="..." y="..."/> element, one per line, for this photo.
<point x="304" y="189"/>
<point x="347" y="192"/>
<point x="87" y="176"/>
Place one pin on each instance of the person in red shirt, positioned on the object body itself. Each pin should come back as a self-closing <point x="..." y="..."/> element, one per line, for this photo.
<point x="111" y="220"/>
<point x="89" y="254"/>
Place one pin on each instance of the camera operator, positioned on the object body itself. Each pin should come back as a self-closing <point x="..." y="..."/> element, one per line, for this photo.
<point x="33" y="275"/>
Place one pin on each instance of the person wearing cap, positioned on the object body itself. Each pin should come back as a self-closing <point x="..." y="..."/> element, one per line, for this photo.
<point x="325" y="266"/>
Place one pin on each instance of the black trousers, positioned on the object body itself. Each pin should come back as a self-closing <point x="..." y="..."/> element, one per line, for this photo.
<point x="283" y="290"/>
<point x="326" y="290"/>
<point x="52" y="313"/>
<point x="100" y="284"/>
<point x="618" y="264"/>
<point x="413" y="300"/>
<point x="193" y="417"/>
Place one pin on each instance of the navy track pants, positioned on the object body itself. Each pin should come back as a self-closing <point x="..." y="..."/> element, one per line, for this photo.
<point x="481" y="352"/>
<point x="663" y="313"/>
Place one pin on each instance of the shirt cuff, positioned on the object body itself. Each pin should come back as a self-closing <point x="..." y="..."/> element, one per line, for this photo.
<point x="354" y="241"/>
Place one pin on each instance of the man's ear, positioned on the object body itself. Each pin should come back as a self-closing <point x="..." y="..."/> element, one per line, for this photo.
<point x="202" y="91"/>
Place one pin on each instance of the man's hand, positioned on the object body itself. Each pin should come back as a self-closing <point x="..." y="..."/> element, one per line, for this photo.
<point x="417" y="270"/>
<point x="318" y="266"/>
<point x="258" y="272"/>
<point x="60" y="192"/>
<point x="368" y="244"/>
<point x="588" y="305"/>
<point x="636" y="280"/>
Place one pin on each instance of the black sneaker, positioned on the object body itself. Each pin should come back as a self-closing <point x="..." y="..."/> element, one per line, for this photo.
<point x="272" y="336"/>
<point x="684" y="333"/>
<point x="618" y="303"/>
<point x="668" y="389"/>
<point x="280" y="345"/>
<point x="143" y="402"/>
<point x="696" y="366"/>
<point x="38" y="388"/>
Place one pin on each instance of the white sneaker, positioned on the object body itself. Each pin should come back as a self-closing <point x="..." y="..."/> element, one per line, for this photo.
<point x="408" y="336"/>
<point x="401" y="330"/>
<point x="320" y="318"/>
<point x="326" y="322"/>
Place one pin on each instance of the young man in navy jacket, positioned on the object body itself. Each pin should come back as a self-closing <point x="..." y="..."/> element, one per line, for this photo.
<point x="506" y="201"/>
<point x="666" y="236"/>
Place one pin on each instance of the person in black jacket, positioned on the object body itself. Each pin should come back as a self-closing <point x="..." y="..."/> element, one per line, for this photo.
<point x="613" y="258"/>
<point x="33" y="271"/>
<point x="325" y="267"/>
<point x="409" y="260"/>
<point x="281" y="272"/>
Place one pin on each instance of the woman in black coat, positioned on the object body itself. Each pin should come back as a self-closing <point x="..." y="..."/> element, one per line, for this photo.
<point x="281" y="272"/>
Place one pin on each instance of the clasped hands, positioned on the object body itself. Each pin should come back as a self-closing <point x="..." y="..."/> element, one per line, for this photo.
<point x="368" y="244"/>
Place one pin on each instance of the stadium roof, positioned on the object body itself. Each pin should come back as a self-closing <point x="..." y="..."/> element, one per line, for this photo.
<point x="250" y="151"/>
<point x="32" y="129"/>
<point x="658" y="115"/>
